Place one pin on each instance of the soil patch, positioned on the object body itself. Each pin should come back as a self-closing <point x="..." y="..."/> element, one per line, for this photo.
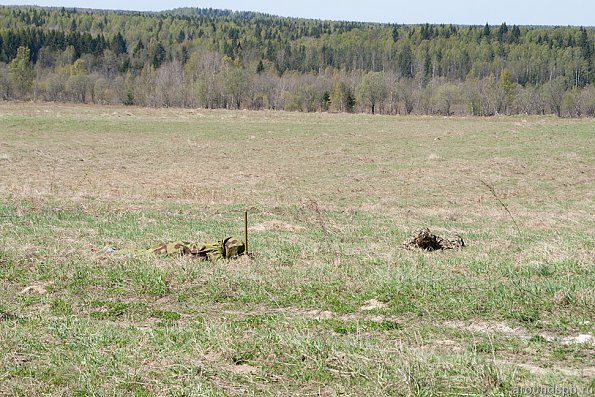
<point x="37" y="288"/>
<point x="275" y="225"/>
<point x="373" y="304"/>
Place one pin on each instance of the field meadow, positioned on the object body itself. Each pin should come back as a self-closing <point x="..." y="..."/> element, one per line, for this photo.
<point x="332" y="303"/>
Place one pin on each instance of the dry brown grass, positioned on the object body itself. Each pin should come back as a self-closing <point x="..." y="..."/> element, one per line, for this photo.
<point x="332" y="303"/>
<point x="386" y="164"/>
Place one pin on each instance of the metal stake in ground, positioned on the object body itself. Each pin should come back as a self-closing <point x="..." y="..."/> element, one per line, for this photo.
<point x="246" y="232"/>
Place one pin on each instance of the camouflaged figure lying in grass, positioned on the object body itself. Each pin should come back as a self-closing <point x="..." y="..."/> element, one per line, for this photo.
<point x="229" y="248"/>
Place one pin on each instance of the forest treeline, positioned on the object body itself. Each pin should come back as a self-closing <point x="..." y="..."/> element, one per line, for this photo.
<point x="192" y="57"/>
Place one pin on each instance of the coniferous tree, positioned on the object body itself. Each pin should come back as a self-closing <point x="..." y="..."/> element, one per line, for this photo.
<point x="292" y="63"/>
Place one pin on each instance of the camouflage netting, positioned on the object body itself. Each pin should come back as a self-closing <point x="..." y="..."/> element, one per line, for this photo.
<point x="229" y="248"/>
<point x="425" y="240"/>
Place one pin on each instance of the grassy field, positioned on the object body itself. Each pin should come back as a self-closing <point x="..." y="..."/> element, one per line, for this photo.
<point x="332" y="304"/>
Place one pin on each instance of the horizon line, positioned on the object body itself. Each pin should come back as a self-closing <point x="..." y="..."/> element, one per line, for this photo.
<point x="289" y="17"/>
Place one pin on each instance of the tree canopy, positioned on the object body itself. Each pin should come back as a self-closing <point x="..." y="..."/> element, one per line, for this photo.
<point x="222" y="58"/>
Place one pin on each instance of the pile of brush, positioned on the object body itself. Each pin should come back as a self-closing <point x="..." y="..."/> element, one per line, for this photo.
<point x="426" y="240"/>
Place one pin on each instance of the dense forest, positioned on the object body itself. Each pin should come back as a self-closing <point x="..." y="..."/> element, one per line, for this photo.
<point x="209" y="58"/>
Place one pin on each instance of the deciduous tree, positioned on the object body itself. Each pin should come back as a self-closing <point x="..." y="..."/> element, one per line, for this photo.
<point x="553" y="92"/>
<point x="342" y="99"/>
<point x="235" y="80"/>
<point x="21" y="71"/>
<point x="507" y="87"/>
<point x="372" y="90"/>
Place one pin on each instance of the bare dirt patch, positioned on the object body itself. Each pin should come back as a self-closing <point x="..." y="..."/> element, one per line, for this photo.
<point x="478" y="326"/>
<point x="496" y="328"/>
<point x="579" y="340"/>
<point x="214" y="357"/>
<point x="534" y="368"/>
<point x="314" y="314"/>
<point x="36" y="288"/>
<point x="447" y="344"/>
<point x="19" y="358"/>
<point x="219" y="360"/>
<point x="518" y="332"/>
<point x="373" y="304"/>
<point x="276" y="225"/>
<point x="241" y="369"/>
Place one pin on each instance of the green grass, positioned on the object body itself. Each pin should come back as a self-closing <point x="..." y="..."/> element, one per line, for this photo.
<point x="331" y="199"/>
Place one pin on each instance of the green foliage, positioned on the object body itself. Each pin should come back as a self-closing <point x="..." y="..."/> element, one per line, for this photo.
<point x="109" y="310"/>
<point x="507" y="87"/>
<point x="260" y="67"/>
<point x="60" y="307"/>
<point x="21" y="71"/>
<point x="341" y="98"/>
<point x="166" y="315"/>
<point x="372" y="90"/>
<point x="235" y="81"/>
<point x="570" y="106"/>
<point x="554" y="92"/>
<point x="351" y="327"/>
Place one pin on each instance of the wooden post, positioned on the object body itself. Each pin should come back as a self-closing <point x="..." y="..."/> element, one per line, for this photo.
<point x="245" y="232"/>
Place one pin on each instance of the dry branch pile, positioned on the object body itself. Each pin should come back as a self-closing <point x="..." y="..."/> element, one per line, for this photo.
<point x="425" y="240"/>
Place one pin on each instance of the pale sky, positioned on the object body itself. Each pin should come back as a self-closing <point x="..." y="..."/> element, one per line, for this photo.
<point x="466" y="12"/>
